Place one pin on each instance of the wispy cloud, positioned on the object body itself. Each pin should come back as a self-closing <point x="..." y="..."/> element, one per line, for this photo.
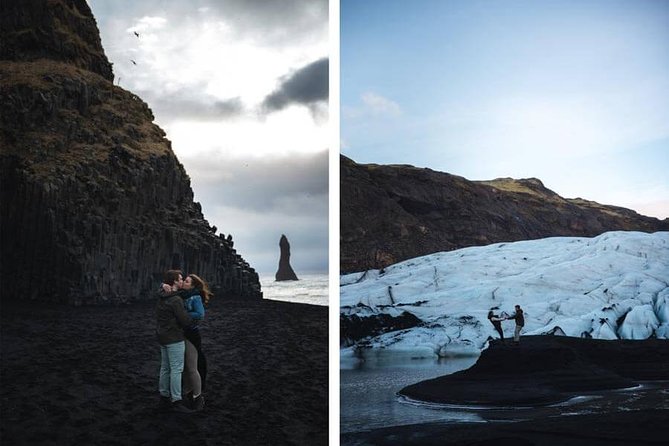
<point x="378" y="105"/>
<point x="148" y="23"/>
<point x="372" y="105"/>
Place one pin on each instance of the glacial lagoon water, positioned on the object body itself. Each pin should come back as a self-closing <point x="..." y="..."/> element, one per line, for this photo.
<point x="369" y="398"/>
<point x="368" y="393"/>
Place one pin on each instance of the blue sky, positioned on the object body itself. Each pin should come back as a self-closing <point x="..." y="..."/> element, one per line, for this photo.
<point x="575" y="93"/>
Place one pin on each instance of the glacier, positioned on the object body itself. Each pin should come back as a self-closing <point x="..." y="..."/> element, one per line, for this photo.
<point x="613" y="286"/>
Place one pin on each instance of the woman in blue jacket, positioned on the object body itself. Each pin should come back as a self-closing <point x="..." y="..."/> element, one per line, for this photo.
<point x="196" y="295"/>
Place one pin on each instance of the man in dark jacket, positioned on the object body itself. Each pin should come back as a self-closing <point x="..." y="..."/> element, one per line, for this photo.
<point x="519" y="317"/>
<point x="171" y="318"/>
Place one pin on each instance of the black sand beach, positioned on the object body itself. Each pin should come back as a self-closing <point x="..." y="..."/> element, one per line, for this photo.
<point x="89" y="376"/>
<point x="519" y="386"/>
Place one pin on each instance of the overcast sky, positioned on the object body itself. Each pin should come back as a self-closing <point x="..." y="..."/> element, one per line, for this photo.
<point x="575" y="93"/>
<point x="241" y="89"/>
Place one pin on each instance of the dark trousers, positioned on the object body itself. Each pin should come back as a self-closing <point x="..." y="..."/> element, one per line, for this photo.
<point x="498" y="327"/>
<point x="194" y="337"/>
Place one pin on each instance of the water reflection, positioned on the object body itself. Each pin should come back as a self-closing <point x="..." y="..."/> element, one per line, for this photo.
<point x="368" y="393"/>
<point x="369" y="397"/>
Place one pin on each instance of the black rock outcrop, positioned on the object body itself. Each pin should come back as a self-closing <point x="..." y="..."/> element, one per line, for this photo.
<point x="396" y="212"/>
<point x="354" y="328"/>
<point x="547" y="369"/>
<point x="95" y="205"/>
<point x="285" y="271"/>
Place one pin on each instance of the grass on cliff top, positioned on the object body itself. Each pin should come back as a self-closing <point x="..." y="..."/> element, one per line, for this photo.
<point x="69" y="138"/>
<point x="512" y="185"/>
<point x="36" y="74"/>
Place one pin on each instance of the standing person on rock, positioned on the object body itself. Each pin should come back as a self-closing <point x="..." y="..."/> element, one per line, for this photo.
<point x="496" y="322"/>
<point x="519" y="317"/>
<point x="195" y="295"/>
<point x="171" y="318"/>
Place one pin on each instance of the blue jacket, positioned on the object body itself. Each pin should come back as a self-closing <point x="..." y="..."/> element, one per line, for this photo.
<point x="194" y="307"/>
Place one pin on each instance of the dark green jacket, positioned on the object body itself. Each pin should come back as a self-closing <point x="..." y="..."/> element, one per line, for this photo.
<point x="171" y="318"/>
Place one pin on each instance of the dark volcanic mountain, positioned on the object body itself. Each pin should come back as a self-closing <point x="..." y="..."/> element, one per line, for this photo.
<point x="396" y="212"/>
<point x="95" y="205"/>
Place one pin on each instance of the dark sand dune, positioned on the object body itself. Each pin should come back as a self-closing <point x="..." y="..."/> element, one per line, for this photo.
<point x="90" y="376"/>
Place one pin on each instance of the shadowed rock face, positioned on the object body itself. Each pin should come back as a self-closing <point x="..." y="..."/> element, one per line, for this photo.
<point x="285" y="271"/>
<point x="547" y="369"/>
<point x="354" y="328"/>
<point x="393" y="213"/>
<point x="95" y="205"/>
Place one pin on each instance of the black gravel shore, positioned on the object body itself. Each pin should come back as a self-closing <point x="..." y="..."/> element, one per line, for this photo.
<point x="74" y="376"/>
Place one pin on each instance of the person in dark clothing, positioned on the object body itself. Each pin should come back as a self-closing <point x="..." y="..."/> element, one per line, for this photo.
<point x="171" y="318"/>
<point x="519" y="317"/>
<point x="196" y="295"/>
<point x="202" y="287"/>
<point x="496" y="322"/>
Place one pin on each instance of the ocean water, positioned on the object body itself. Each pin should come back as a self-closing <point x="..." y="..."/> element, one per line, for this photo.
<point x="310" y="289"/>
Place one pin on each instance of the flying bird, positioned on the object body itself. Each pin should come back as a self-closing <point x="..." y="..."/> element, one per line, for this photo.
<point x="136" y="33"/>
<point x="133" y="62"/>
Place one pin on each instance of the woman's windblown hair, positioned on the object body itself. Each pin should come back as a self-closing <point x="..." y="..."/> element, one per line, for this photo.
<point x="202" y="286"/>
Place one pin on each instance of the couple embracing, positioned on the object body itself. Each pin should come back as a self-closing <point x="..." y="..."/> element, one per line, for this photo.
<point x="518" y="316"/>
<point x="183" y="367"/>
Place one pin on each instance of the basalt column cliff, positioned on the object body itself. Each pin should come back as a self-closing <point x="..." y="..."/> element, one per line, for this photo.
<point x="94" y="204"/>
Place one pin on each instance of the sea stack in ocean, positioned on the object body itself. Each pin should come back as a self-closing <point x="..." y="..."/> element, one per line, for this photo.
<point x="95" y="205"/>
<point x="285" y="271"/>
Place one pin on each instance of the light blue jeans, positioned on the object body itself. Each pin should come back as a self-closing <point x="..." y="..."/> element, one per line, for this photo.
<point x="171" y="368"/>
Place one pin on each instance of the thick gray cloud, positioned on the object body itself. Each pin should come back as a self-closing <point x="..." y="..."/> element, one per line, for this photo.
<point x="190" y="103"/>
<point x="306" y="86"/>
<point x="260" y="183"/>
<point x="269" y="22"/>
<point x="258" y="199"/>
<point x="277" y="20"/>
<point x="254" y="198"/>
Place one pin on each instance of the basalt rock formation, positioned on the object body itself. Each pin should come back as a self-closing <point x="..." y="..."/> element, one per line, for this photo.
<point x="95" y="205"/>
<point x="285" y="271"/>
<point x="396" y="212"/>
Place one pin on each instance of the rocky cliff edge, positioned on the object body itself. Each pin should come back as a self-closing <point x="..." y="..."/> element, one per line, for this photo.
<point x="95" y="205"/>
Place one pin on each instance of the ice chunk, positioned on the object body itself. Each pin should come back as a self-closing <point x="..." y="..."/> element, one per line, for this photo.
<point x="458" y="349"/>
<point x="640" y="323"/>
